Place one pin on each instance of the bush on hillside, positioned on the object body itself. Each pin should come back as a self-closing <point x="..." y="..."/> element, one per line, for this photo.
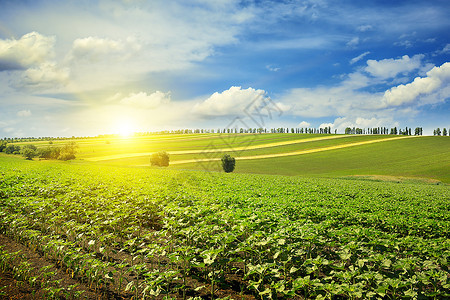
<point x="12" y="149"/>
<point x="68" y="151"/>
<point x="228" y="163"/>
<point x="160" y="159"/>
<point x="49" y="152"/>
<point x="29" y="151"/>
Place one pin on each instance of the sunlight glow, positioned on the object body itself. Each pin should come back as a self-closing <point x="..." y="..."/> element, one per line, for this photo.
<point x="125" y="128"/>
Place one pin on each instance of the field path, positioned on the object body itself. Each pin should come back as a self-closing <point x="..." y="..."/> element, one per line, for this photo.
<point x="211" y="149"/>
<point x="300" y="152"/>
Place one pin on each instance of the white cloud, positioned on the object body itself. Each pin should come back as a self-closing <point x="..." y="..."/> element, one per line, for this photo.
<point x="142" y="100"/>
<point x="30" y="50"/>
<point x="95" y="49"/>
<point x="304" y="124"/>
<point x="437" y="80"/>
<point x="353" y="42"/>
<point x="364" y="28"/>
<point x="272" y="68"/>
<point x="45" y="75"/>
<point x="446" y="49"/>
<point x="24" y="113"/>
<point x="230" y="102"/>
<point x="341" y="123"/>
<point x="405" y="43"/>
<point x="388" y="68"/>
<point x="359" y="57"/>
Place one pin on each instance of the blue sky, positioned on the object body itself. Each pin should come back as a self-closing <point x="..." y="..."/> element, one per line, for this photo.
<point x="86" y="68"/>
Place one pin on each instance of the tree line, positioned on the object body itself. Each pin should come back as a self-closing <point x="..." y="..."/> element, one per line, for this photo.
<point x="29" y="151"/>
<point x="444" y="131"/>
<point x="384" y="130"/>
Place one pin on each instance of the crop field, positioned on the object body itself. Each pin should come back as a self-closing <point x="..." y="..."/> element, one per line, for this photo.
<point x="279" y="154"/>
<point x="90" y="230"/>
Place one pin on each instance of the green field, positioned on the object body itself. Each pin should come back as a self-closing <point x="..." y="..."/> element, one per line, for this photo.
<point x="363" y="217"/>
<point x="415" y="157"/>
<point x="129" y="233"/>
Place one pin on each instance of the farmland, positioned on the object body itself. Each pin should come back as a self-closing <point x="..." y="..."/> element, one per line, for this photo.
<point x="279" y="154"/>
<point x="94" y="230"/>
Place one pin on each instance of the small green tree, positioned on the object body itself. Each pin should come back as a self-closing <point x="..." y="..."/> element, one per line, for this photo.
<point x="160" y="159"/>
<point x="29" y="151"/>
<point x="68" y="151"/>
<point x="12" y="149"/>
<point x="228" y="163"/>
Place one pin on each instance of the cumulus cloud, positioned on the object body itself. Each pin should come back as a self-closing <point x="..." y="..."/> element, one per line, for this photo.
<point x="304" y="124"/>
<point x="95" y="48"/>
<point x="143" y="100"/>
<point x="45" y="75"/>
<point x="30" y="50"/>
<point x="359" y="57"/>
<point x="341" y="123"/>
<point x="436" y="80"/>
<point x="388" y="68"/>
<point x="24" y="113"/>
<point x="230" y="102"/>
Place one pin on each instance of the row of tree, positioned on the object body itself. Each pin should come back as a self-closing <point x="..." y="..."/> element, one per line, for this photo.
<point x="444" y="131"/>
<point x="384" y="130"/>
<point x="29" y="151"/>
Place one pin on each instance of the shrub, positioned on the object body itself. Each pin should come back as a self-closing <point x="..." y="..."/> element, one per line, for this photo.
<point x="29" y="151"/>
<point x="2" y="145"/>
<point x="160" y="159"/>
<point x="49" y="152"/>
<point x="68" y="151"/>
<point x="228" y="163"/>
<point x="12" y="149"/>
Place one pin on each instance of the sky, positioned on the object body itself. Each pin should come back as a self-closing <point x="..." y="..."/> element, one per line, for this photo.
<point x="86" y="68"/>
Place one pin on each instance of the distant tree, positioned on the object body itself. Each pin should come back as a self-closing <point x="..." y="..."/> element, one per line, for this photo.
<point x="160" y="159"/>
<point x="29" y="151"/>
<point x="49" y="152"/>
<point x="444" y="132"/>
<point x="68" y="151"/>
<point x="228" y="163"/>
<point x="437" y="131"/>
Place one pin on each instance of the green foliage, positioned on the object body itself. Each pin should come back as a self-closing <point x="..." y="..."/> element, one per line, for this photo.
<point x="228" y="163"/>
<point x="3" y="145"/>
<point x="68" y="151"/>
<point x="184" y="233"/>
<point x="12" y="149"/>
<point x="29" y="153"/>
<point x="49" y="152"/>
<point x="160" y="159"/>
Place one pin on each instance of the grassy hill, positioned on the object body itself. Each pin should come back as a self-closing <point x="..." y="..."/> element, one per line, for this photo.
<point x="281" y="154"/>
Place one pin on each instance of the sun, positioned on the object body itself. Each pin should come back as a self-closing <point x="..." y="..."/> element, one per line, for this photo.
<point x="125" y="128"/>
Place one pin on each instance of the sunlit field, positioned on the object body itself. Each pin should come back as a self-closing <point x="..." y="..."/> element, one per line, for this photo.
<point x="283" y="154"/>
<point x="80" y="229"/>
